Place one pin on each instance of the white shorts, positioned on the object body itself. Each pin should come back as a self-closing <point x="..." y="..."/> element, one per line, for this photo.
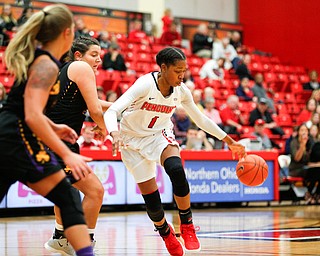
<point x="142" y="154"/>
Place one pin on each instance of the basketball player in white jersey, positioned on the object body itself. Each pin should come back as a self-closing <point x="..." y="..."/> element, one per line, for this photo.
<point x="146" y="132"/>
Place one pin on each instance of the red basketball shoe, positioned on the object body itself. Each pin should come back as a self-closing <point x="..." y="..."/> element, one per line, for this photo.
<point x="174" y="247"/>
<point x="188" y="233"/>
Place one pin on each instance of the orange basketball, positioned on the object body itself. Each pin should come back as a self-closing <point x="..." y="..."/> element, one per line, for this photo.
<point x="252" y="170"/>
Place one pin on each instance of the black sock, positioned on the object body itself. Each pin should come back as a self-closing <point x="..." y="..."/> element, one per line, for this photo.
<point x="58" y="234"/>
<point x="164" y="229"/>
<point x="185" y="216"/>
<point x="92" y="237"/>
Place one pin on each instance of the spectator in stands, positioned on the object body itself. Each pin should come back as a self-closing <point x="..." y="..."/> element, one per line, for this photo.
<point x="26" y="13"/>
<point x="314" y="120"/>
<point x="225" y="50"/>
<point x="171" y="37"/>
<point x="113" y="59"/>
<point x="260" y="92"/>
<point x="313" y="84"/>
<point x="80" y="28"/>
<point x="137" y="35"/>
<point x="306" y="113"/>
<point x="316" y="95"/>
<point x="314" y="133"/>
<point x="288" y="141"/>
<point x="242" y="69"/>
<point x="235" y="41"/>
<point x="86" y="140"/>
<point x="3" y="95"/>
<point x="261" y="112"/>
<point x="300" y="149"/>
<point x="260" y="135"/>
<point x="196" y="140"/>
<point x="202" y="42"/>
<point x="10" y="23"/>
<point x="181" y="122"/>
<point x="208" y="92"/>
<point x="244" y="92"/>
<point x="104" y="39"/>
<point x="101" y="93"/>
<point x="211" y="112"/>
<point x="189" y="80"/>
<point x="231" y="116"/>
<point x="111" y="96"/>
<point x="312" y="178"/>
<point x="213" y="70"/>
<point x="167" y="19"/>
<point x="197" y="98"/>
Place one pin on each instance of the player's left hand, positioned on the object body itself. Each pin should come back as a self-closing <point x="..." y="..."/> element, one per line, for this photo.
<point x="66" y="133"/>
<point x="237" y="149"/>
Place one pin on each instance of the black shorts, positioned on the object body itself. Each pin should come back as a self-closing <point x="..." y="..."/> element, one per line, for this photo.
<point x="23" y="156"/>
<point x="75" y="149"/>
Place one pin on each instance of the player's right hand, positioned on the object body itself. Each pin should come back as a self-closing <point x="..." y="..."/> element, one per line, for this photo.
<point x="117" y="142"/>
<point x="78" y="164"/>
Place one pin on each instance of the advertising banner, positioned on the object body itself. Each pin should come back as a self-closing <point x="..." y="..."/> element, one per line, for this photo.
<point x="216" y="181"/>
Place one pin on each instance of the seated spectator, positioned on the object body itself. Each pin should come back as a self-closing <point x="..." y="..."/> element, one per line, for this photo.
<point x="171" y="37"/>
<point x="196" y="140"/>
<point x="101" y="93"/>
<point x="113" y="59"/>
<point x="288" y="141"/>
<point x="312" y="179"/>
<point x="111" y="96"/>
<point x="202" y="42"/>
<point x="137" y="35"/>
<point x="181" y="122"/>
<point x="300" y="149"/>
<point x="80" y="28"/>
<point x="189" y="80"/>
<point x="86" y="140"/>
<point x="313" y="84"/>
<point x="211" y="112"/>
<point x="235" y="41"/>
<point x="3" y="95"/>
<point x="225" y="50"/>
<point x="314" y="133"/>
<point x="261" y="112"/>
<point x="213" y="70"/>
<point x="260" y="135"/>
<point x="26" y="13"/>
<point x="306" y="113"/>
<point x="9" y="22"/>
<point x="197" y="98"/>
<point x="314" y="120"/>
<point x="244" y="91"/>
<point x="260" y="92"/>
<point x="231" y="116"/>
<point x="242" y="69"/>
<point x="316" y="95"/>
<point x="104" y="39"/>
<point x="167" y="20"/>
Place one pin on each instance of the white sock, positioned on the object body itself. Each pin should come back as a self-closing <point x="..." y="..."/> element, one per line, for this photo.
<point x="58" y="226"/>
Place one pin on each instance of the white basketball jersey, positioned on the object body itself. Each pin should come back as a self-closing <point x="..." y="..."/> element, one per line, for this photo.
<point x="152" y="111"/>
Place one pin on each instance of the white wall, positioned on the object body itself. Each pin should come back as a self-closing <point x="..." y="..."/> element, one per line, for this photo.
<point x="219" y="10"/>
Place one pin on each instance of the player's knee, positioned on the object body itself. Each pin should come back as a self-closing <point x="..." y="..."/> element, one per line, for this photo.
<point x="174" y="168"/>
<point x="154" y="206"/>
<point x="67" y="198"/>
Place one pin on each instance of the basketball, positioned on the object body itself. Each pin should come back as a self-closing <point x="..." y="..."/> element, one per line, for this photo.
<point x="252" y="170"/>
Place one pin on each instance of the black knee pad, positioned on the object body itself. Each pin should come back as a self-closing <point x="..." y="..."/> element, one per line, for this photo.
<point x="67" y="198"/>
<point x="175" y="170"/>
<point x="154" y="206"/>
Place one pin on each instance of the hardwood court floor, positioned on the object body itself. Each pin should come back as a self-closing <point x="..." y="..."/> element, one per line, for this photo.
<point x="253" y="231"/>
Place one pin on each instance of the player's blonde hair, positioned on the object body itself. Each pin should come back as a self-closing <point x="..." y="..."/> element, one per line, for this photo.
<point x="42" y="27"/>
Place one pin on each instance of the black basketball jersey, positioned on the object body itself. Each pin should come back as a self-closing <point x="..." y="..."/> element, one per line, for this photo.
<point x="15" y="100"/>
<point x="70" y="107"/>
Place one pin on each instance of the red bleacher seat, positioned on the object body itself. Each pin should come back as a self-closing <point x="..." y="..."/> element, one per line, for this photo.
<point x="284" y="120"/>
